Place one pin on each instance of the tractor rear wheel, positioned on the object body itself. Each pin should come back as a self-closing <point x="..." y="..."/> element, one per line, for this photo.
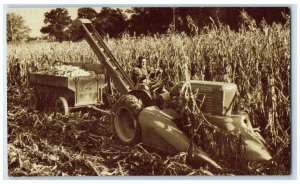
<point x="124" y="119"/>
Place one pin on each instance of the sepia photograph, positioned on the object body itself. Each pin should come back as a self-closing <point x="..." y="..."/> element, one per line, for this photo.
<point x="148" y="90"/>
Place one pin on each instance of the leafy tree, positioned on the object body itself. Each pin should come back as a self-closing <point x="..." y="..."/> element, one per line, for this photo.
<point x="111" y="21"/>
<point x="198" y="17"/>
<point x="231" y="15"/>
<point x="57" y="22"/>
<point x="16" y="29"/>
<point x="75" y="31"/>
<point x="150" y="20"/>
<point x="87" y="13"/>
<point x="269" y="14"/>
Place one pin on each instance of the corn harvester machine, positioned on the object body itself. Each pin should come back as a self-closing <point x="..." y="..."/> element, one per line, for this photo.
<point x="136" y="116"/>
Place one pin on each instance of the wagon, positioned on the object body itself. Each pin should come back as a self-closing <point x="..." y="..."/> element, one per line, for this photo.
<point x="65" y="93"/>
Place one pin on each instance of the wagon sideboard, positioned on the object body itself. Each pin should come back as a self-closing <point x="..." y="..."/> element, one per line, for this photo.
<point x="78" y="91"/>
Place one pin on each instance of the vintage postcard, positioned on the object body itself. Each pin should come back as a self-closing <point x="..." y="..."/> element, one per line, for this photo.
<point x="148" y="90"/>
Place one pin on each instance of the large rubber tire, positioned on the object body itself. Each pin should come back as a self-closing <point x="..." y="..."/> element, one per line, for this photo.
<point x="125" y="123"/>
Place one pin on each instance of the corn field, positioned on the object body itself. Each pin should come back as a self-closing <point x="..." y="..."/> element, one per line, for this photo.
<point x="256" y="58"/>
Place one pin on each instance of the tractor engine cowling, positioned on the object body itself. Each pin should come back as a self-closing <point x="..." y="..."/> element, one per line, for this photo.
<point x="216" y="97"/>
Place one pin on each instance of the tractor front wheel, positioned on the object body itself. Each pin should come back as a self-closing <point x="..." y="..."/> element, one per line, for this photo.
<point x="124" y="119"/>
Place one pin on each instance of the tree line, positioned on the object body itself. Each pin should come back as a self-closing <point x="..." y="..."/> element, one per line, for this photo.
<point x="155" y="20"/>
<point x="16" y="30"/>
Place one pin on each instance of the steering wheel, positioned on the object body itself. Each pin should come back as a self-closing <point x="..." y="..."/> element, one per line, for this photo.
<point x="155" y="88"/>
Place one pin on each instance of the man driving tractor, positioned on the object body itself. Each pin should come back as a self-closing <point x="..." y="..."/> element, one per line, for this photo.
<point x="143" y="79"/>
<point x="140" y="75"/>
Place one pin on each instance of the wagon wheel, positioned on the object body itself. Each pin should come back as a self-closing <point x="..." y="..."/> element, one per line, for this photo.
<point x="35" y="102"/>
<point x="124" y="121"/>
<point x="61" y="106"/>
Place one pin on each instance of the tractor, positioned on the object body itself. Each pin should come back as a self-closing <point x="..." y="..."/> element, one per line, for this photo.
<point x="137" y="117"/>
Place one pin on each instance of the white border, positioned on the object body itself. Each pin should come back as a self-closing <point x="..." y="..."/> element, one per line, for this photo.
<point x="141" y="3"/>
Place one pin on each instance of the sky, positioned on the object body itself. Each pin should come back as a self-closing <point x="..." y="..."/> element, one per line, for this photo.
<point x="34" y="17"/>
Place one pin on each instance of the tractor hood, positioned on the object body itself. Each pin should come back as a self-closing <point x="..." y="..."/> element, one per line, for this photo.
<point x="159" y="131"/>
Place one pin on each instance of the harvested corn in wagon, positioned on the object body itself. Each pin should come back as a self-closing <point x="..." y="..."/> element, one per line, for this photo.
<point x="66" y="71"/>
